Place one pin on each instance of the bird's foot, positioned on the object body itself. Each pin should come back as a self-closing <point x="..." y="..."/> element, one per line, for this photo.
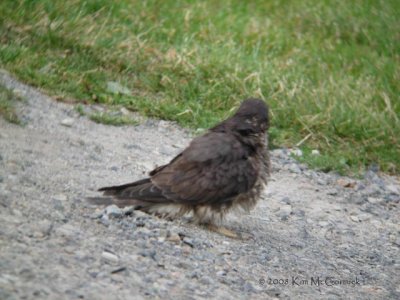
<point x="224" y="231"/>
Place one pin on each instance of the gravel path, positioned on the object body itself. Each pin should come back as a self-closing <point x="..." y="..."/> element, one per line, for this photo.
<point x="313" y="236"/>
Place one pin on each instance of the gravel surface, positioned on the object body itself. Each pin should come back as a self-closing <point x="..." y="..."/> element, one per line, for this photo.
<point x="312" y="236"/>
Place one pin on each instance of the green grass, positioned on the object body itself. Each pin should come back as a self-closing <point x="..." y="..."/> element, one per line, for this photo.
<point x="326" y="68"/>
<point x="7" y="103"/>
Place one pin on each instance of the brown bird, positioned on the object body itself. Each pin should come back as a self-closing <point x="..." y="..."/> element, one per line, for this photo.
<point x="224" y="169"/>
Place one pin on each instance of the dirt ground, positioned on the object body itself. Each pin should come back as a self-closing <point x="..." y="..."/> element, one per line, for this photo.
<point x="312" y="236"/>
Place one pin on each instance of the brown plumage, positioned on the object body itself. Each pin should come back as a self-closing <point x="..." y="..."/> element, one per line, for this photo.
<point x="223" y="169"/>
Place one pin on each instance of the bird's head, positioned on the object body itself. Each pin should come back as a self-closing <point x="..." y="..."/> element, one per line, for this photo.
<point x="251" y="118"/>
<point x="249" y="123"/>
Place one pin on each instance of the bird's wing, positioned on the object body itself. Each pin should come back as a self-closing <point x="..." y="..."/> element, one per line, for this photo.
<point x="214" y="168"/>
<point x="139" y="190"/>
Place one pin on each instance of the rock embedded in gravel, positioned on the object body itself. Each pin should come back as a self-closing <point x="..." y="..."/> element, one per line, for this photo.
<point x="393" y="189"/>
<point x="374" y="200"/>
<point x="188" y="241"/>
<point x="346" y="183"/>
<point x="128" y="210"/>
<point x="297" y="152"/>
<point x="113" y="211"/>
<point x="110" y="257"/>
<point x="294" y="168"/>
<point x="322" y="181"/>
<point x="284" y="212"/>
<point x="332" y="192"/>
<point x="354" y="218"/>
<point x="323" y="223"/>
<point x="68" y="122"/>
<point x="105" y="220"/>
<point x="174" y="237"/>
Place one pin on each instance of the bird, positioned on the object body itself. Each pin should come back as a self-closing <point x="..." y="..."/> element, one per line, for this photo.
<point x="224" y="169"/>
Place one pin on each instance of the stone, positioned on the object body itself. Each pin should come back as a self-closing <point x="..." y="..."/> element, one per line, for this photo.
<point x="116" y="88"/>
<point x="346" y="183"/>
<point x="374" y="200"/>
<point x="124" y="111"/>
<point x="110" y="257"/>
<point x="315" y="152"/>
<point x="364" y="217"/>
<point x="393" y="189"/>
<point x="188" y="241"/>
<point x="221" y="273"/>
<point x="174" y="237"/>
<point x="332" y="192"/>
<point x="323" y="223"/>
<point x="294" y="168"/>
<point x="68" y="122"/>
<point x="297" y="152"/>
<point x="321" y="181"/>
<point x="128" y="210"/>
<point x="354" y="218"/>
<point x="284" y="211"/>
<point x="113" y="211"/>
<point x="206" y="280"/>
<point x="105" y="220"/>
<point x="60" y="197"/>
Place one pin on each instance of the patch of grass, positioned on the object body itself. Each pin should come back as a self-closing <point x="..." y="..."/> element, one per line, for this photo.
<point x="80" y="110"/>
<point x="7" y="102"/>
<point x="110" y="119"/>
<point x="327" y="162"/>
<point x="327" y="68"/>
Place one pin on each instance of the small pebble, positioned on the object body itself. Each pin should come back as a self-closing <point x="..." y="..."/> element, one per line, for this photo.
<point x="346" y="183"/>
<point x="364" y="217"/>
<point x="60" y="197"/>
<point x="284" y="211"/>
<point x="285" y="200"/>
<point x="113" y="211"/>
<point x="68" y="122"/>
<point x="221" y="273"/>
<point x="108" y="256"/>
<point x="297" y="152"/>
<point x="332" y="192"/>
<point x="188" y="241"/>
<point x="323" y="223"/>
<point x="206" y="280"/>
<point x="124" y="111"/>
<point x="174" y="237"/>
<point x="393" y="189"/>
<point x="354" y="218"/>
<point x="294" y="168"/>
<point x="315" y="152"/>
<point x="374" y="200"/>
<point x="105" y="220"/>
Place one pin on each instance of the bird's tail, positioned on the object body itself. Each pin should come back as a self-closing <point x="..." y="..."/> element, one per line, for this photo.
<point x="119" y="189"/>
<point x="139" y="193"/>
